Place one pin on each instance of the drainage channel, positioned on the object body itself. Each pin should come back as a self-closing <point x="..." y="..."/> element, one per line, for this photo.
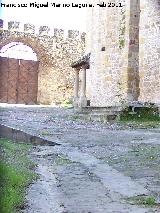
<point x="17" y="135"/>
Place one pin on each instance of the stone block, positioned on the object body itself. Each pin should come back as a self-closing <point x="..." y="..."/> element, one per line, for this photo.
<point x="44" y="30"/>
<point x="58" y="33"/>
<point x="1" y="23"/>
<point x="13" y="25"/>
<point x="29" y="28"/>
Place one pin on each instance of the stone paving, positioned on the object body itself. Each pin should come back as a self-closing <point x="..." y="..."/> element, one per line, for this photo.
<point x="98" y="168"/>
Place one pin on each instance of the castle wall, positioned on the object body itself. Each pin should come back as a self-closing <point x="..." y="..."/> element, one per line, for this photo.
<point x="108" y="43"/>
<point x="125" y="53"/>
<point x="150" y="51"/>
<point x="55" y="49"/>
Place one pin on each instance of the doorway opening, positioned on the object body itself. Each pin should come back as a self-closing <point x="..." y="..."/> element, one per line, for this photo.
<point x="18" y="74"/>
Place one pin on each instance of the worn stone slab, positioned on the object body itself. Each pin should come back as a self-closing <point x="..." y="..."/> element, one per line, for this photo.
<point x="112" y="179"/>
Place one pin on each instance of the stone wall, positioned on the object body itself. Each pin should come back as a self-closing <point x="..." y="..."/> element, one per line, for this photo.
<point x="56" y="49"/>
<point x="108" y="43"/>
<point x="125" y="53"/>
<point x="150" y="51"/>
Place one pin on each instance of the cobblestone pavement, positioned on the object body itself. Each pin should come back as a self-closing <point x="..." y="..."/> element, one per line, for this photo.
<point x="98" y="168"/>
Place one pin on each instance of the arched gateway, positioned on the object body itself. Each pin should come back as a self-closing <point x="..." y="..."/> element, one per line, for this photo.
<point x="18" y="74"/>
<point x="55" y="50"/>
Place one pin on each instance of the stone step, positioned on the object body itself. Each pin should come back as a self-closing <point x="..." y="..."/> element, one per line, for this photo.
<point x="103" y="117"/>
<point x="102" y="114"/>
<point x="100" y="110"/>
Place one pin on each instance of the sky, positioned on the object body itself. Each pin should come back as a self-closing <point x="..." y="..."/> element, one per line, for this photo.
<point x="64" y="18"/>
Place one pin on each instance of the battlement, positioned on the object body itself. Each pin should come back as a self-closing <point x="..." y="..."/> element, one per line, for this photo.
<point x="15" y="26"/>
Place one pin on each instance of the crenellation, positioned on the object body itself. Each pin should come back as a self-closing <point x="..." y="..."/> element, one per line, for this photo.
<point x="73" y="34"/>
<point x="44" y="30"/>
<point x="29" y="28"/>
<point x="1" y="23"/>
<point x="13" y="25"/>
<point x="58" y="34"/>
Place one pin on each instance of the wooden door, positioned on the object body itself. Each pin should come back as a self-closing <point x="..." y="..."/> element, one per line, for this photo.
<point x="27" y="82"/>
<point x="8" y="80"/>
<point x="18" y="81"/>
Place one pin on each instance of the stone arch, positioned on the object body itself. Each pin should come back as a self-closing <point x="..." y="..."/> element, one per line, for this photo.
<point x="18" y="50"/>
<point x="44" y="57"/>
<point x="19" y="79"/>
<point x="38" y="48"/>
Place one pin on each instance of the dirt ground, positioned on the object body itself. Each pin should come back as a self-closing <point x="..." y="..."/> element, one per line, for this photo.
<point x="97" y="168"/>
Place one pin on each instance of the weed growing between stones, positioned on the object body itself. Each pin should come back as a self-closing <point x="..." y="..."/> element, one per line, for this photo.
<point x="122" y="27"/>
<point x="74" y="117"/>
<point x="62" y="160"/>
<point x="150" y="201"/>
<point x="67" y="104"/>
<point x="143" y="200"/>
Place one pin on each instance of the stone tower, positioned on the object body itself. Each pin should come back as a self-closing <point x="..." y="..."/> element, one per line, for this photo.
<point x="124" y="42"/>
<point x="149" y="51"/>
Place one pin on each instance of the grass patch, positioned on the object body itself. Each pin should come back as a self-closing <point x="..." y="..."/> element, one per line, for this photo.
<point x="74" y="117"/>
<point x="67" y="104"/>
<point x="143" y="200"/>
<point x="141" y="124"/>
<point x="141" y="117"/>
<point x="150" y="201"/>
<point x="15" y="175"/>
